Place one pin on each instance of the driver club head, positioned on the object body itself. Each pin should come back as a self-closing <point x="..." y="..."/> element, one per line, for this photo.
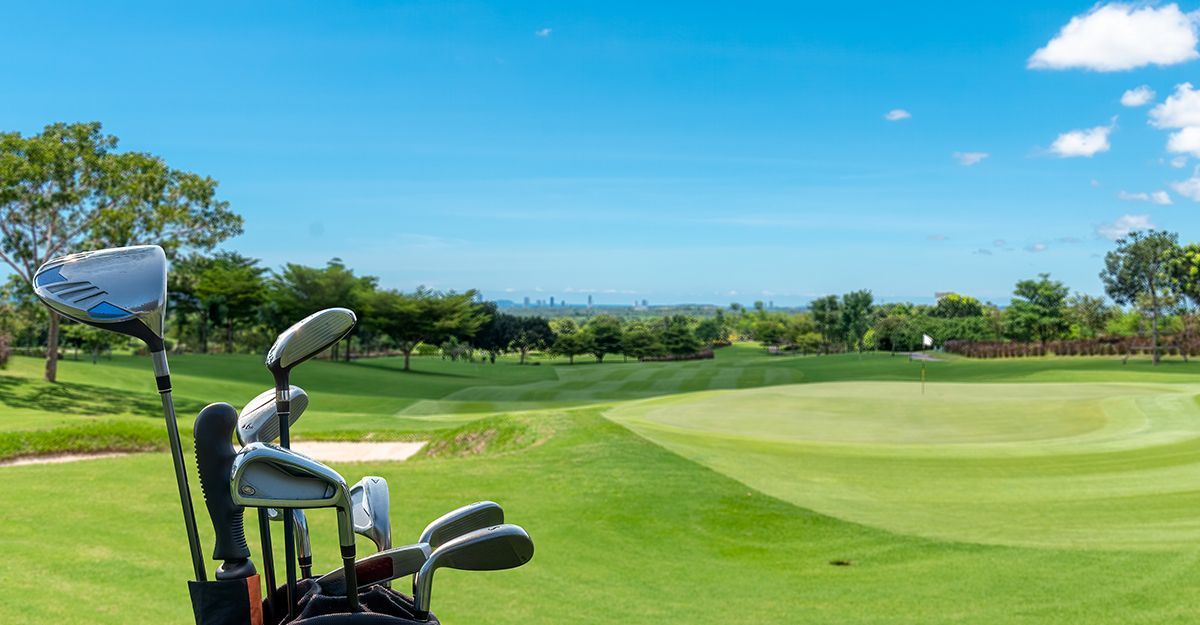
<point x="259" y="420"/>
<point x="489" y="549"/>
<point x="122" y="289"/>
<point x="370" y="502"/>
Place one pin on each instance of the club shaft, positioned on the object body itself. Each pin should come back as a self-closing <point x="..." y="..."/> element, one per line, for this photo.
<point x="163" y="377"/>
<point x="283" y="405"/>
<point x="264" y="532"/>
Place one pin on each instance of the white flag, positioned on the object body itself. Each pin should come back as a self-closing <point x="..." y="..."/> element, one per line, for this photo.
<point x="927" y="340"/>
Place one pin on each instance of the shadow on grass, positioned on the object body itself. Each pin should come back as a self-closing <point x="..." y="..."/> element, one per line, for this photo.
<point x="77" y="399"/>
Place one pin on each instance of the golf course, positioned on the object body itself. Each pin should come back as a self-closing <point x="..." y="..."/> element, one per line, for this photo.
<point x="747" y="488"/>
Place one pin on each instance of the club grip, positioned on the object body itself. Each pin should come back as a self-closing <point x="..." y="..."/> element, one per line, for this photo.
<point x="213" y="434"/>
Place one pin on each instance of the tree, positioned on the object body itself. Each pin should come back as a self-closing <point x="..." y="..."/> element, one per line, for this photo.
<point x="531" y="333"/>
<point x="1038" y="310"/>
<point x="713" y="330"/>
<point x="426" y="316"/>
<point x="677" y="336"/>
<point x="298" y="291"/>
<point x="1140" y="267"/>
<point x="856" y="316"/>
<point x="569" y="340"/>
<point x="495" y="334"/>
<point x="1184" y="271"/>
<point x="65" y="189"/>
<point x="827" y="315"/>
<point x="1088" y="314"/>
<point x="639" y="340"/>
<point x="953" y="305"/>
<point x="603" y="335"/>
<point x="91" y="338"/>
<point x="231" y="289"/>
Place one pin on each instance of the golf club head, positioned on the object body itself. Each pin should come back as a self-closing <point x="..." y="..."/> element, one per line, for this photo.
<point x="259" y="420"/>
<point x="303" y="543"/>
<point x="122" y="289"/>
<point x="309" y="337"/>
<point x="489" y="549"/>
<point x="460" y="521"/>
<point x="370" y="501"/>
<point x="269" y="476"/>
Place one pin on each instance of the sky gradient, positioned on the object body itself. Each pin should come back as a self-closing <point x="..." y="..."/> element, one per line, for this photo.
<point x="677" y="152"/>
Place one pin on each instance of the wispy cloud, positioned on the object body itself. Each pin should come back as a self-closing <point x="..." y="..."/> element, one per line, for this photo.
<point x="1036" y="248"/>
<point x="1087" y="142"/>
<point x="896" y="115"/>
<point x="1123" y="225"/>
<point x="938" y="237"/>
<point x="983" y="252"/>
<point x="966" y="159"/>
<point x="1179" y="162"/>
<point x="1139" y="96"/>
<point x="1189" y="188"/>
<point x="1116" y="37"/>
<point x="999" y="243"/>
<point x="543" y="32"/>
<point x="1161" y="198"/>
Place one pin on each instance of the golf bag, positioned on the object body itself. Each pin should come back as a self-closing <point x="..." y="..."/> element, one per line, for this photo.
<point x="236" y="602"/>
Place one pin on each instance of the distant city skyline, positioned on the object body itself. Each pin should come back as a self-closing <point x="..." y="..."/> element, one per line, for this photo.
<point x="674" y="152"/>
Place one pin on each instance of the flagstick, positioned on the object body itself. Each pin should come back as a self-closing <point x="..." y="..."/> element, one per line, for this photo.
<point x="922" y="378"/>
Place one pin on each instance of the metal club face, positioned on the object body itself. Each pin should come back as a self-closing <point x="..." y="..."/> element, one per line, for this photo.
<point x="259" y="420"/>
<point x="489" y="549"/>
<point x="309" y="337"/>
<point x="457" y="522"/>
<point x="122" y="289"/>
<point x="370" y="501"/>
<point x="269" y="476"/>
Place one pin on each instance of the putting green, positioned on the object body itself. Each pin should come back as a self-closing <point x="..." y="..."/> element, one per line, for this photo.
<point x="1096" y="466"/>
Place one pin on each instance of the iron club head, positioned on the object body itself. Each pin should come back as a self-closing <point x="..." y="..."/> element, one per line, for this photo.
<point x="489" y="549"/>
<point x="370" y="502"/>
<point x="462" y="520"/>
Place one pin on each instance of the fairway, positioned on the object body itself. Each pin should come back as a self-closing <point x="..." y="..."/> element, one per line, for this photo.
<point x="770" y="489"/>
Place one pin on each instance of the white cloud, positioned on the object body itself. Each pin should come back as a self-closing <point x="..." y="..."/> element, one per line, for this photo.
<point x="1178" y="162"/>
<point x="983" y="252"/>
<point x="543" y="32"/>
<point x="1140" y="96"/>
<point x="1086" y="142"/>
<point x="1189" y="188"/>
<point x="1185" y="141"/>
<point x="1158" y="197"/>
<point x="999" y="242"/>
<point x="938" y="237"/>
<point x="1036" y="248"/>
<point x="1116" y="37"/>
<point x="1123" y="225"/>
<point x="1179" y="110"/>
<point x="966" y="159"/>
<point x="896" y="115"/>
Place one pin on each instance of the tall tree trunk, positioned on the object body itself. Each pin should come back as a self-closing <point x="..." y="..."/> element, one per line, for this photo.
<point x="407" y="353"/>
<point x="52" y="349"/>
<point x="1154" y="326"/>
<point x="203" y="333"/>
<point x="229" y="336"/>
<point x="349" y="341"/>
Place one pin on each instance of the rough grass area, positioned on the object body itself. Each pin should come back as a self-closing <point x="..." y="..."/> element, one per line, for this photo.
<point x="493" y="435"/>
<point x="83" y="438"/>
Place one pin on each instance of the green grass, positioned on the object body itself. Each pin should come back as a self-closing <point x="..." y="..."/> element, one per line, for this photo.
<point x="1032" y="491"/>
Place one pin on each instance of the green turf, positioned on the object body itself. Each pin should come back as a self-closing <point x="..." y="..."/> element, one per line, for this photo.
<point x="1021" y="491"/>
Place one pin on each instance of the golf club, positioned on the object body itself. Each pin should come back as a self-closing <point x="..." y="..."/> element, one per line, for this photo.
<point x="124" y="290"/>
<point x="378" y="568"/>
<point x="303" y="544"/>
<point x="459" y="521"/>
<point x="266" y="475"/>
<point x="489" y="549"/>
<point x="259" y="422"/>
<point x="305" y="339"/>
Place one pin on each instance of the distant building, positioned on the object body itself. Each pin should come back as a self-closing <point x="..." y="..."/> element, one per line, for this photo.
<point x="645" y="303"/>
<point x="527" y="301"/>
<point x="552" y="301"/>
<point x="589" y="301"/>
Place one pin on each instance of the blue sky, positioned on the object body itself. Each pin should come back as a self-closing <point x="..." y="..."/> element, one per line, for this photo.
<point x="673" y="151"/>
